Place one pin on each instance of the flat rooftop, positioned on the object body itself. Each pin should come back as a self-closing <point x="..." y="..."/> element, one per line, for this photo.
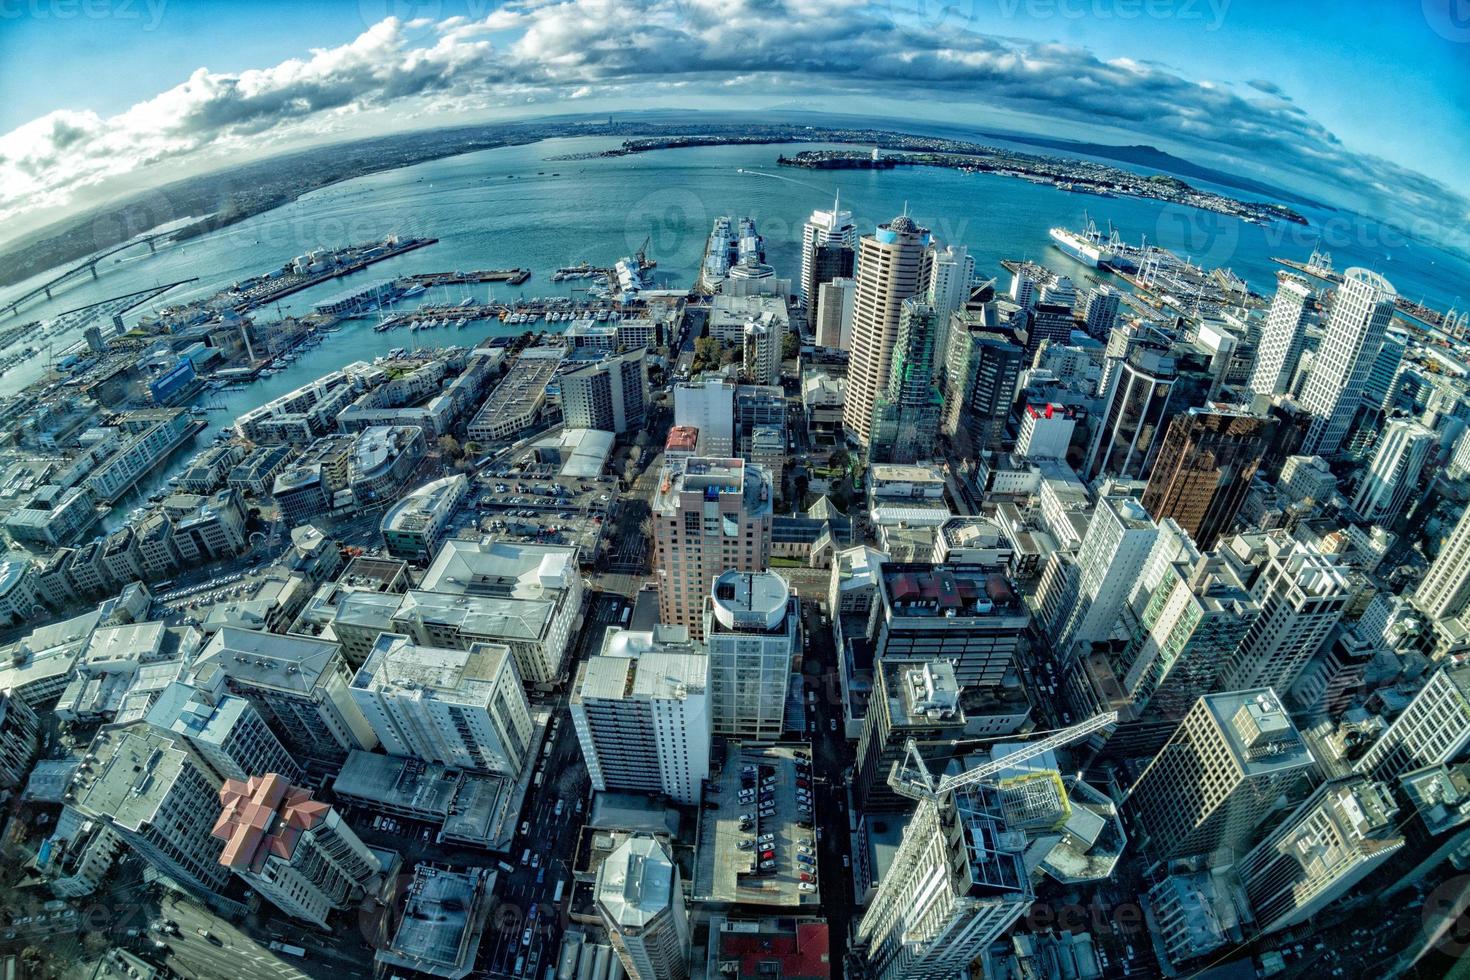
<point x="924" y="589"/>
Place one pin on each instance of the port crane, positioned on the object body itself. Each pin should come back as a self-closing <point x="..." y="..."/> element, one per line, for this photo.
<point x="910" y="775"/>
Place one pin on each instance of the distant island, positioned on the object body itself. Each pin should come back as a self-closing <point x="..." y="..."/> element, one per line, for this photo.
<point x="229" y="196"/>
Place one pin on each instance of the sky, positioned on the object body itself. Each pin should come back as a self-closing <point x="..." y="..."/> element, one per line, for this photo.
<point x="1357" y="102"/>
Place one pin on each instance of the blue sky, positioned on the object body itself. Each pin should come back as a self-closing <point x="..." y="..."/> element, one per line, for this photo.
<point x="1330" y="94"/>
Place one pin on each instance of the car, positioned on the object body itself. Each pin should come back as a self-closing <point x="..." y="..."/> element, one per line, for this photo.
<point x="767" y="855"/>
<point x="803" y="849"/>
<point x="766" y="838"/>
<point x="806" y="886"/>
<point x="711" y="804"/>
<point x="540" y="876"/>
<point x="746" y="844"/>
<point x="805" y="859"/>
<point x="535" y="860"/>
<point x="832" y="723"/>
<point x="805" y="842"/>
<point x="526" y="936"/>
<point x="747" y="817"/>
<point x="807" y="877"/>
<point x="845" y="862"/>
<point x="767" y="865"/>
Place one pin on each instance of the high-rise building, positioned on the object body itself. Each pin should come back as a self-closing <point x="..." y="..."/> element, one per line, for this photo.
<point x="20" y="739"/>
<point x="1301" y="594"/>
<point x="912" y="699"/>
<point x="1137" y="392"/>
<point x="968" y="614"/>
<point x="227" y="732"/>
<point x="982" y="368"/>
<point x="1101" y="311"/>
<point x="1361" y="309"/>
<point x="294" y="850"/>
<point x="641" y="903"/>
<point x="1378" y="388"/>
<point x="950" y="276"/>
<point x="1434" y="728"/>
<point x="893" y="265"/>
<point x="1112" y="554"/>
<point x="1204" y="470"/>
<point x="957" y="882"/>
<point x="906" y="414"/>
<point x="1220" y="775"/>
<point x="707" y="406"/>
<point x="642" y="713"/>
<point x="1393" y="476"/>
<point x="1048" y="322"/>
<point x="710" y="516"/>
<point x="610" y="394"/>
<point x="751" y="622"/>
<point x="1046" y="431"/>
<point x="1338" y="835"/>
<point x="298" y="684"/>
<point x="1445" y="588"/>
<point x="461" y="708"/>
<point x="160" y="799"/>
<point x="762" y="352"/>
<point x="831" y="232"/>
<point x="1282" y="336"/>
<point x="835" y="302"/>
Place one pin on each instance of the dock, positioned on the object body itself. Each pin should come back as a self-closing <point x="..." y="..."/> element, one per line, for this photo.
<point x="430" y="279"/>
<point x="298" y="283"/>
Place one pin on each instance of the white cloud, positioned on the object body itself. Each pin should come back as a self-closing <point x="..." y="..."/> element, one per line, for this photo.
<point x="552" y="50"/>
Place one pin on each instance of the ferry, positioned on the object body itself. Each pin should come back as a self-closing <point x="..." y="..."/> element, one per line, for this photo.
<point x="414" y="290"/>
<point x="1087" y="247"/>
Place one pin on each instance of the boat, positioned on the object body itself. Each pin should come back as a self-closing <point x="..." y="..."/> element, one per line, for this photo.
<point x="1086" y="247"/>
<point x="459" y="324"/>
<point x="415" y="290"/>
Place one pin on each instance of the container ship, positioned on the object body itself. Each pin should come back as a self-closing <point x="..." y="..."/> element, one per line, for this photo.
<point x="1086" y="246"/>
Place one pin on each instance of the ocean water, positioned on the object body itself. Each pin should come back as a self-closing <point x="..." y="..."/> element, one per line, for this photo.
<point x="512" y="206"/>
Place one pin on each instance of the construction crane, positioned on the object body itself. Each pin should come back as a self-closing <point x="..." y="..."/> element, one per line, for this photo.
<point x="910" y="775"/>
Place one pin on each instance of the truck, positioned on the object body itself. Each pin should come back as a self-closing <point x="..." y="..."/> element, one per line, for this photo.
<point x="560" y="887"/>
<point x="288" y="949"/>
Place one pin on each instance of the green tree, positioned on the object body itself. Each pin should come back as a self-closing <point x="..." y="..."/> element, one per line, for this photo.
<point x="790" y="347"/>
<point x="450" y="447"/>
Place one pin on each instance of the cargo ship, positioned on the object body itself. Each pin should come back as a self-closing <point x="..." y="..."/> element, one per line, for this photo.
<point x="1086" y="246"/>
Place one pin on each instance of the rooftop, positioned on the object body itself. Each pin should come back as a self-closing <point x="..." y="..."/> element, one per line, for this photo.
<point x="746" y="601"/>
<point x="1257" y="730"/>
<point x="290" y="663"/>
<point x="397" y="665"/>
<point x="948" y="590"/>
<point x="714" y="478"/>
<point x="262" y="818"/>
<point x="636" y="883"/>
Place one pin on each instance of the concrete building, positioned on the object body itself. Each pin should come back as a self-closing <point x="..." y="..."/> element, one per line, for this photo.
<point x="1333" y="840"/>
<point x="53" y="516"/>
<point x="1138" y="388"/>
<point x="642" y="713"/>
<point x="526" y="596"/>
<point x="1046" y="431"/>
<point x="1282" y="336"/>
<point x="460" y="708"/>
<point x="516" y="403"/>
<point x="444" y="916"/>
<point x="160" y="799"/>
<point x="707" y="406"/>
<point x="969" y="615"/>
<point x="982" y="369"/>
<point x="1361" y="309"/>
<point x="912" y="699"/>
<point x="951" y="272"/>
<point x="1100" y="313"/>
<point x="710" y="515"/>
<point x="298" y="684"/>
<point x="20" y="739"/>
<point x="1445" y="589"/>
<point x="300" y="416"/>
<point x="1301" y="594"/>
<point x="894" y="263"/>
<point x="294" y="850"/>
<point x="956" y="884"/>
<point x="19" y="600"/>
<point x="1307" y="479"/>
<point x="228" y="733"/>
<point x="831" y="230"/>
<point x="1119" y="539"/>
<point x="1204" y="470"/>
<point x="610" y="394"/>
<point x="1433" y="728"/>
<point x="413" y="528"/>
<point x="751" y="622"/>
<point x="1392" y="479"/>
<point x="640" y="900"/>
<point x="1220" y="776"/>
<point x="836" y="301"/>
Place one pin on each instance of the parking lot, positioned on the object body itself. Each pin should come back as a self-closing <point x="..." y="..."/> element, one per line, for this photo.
<point x="544" y="507"/>
<point x="756" y="842"/>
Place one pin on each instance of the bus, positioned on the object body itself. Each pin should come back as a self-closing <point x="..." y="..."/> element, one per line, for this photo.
<point x="560" y="887"/>
<point x="623" y="619"/>
<point x="289" y="949"/>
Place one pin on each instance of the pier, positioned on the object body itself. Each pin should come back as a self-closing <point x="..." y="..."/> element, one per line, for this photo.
<point x="430" y="279"/>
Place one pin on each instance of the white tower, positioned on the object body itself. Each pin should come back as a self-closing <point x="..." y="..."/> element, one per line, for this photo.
<point x="1360" y="313"/>
<point x="1282" y="336"/>
<point x="1393" y="476"/>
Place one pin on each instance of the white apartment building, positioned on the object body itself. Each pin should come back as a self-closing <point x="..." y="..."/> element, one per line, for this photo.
<point x="1360" y="313"/>
<point x="461" y="708"/>
<point x="1282" y="336"/>
<point x="751" y="621"/>
<point x="642" y="713"/>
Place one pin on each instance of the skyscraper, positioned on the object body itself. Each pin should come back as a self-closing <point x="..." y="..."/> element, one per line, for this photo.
<point x="710" y="516"/>
<point x="1434" y="728"/>
<point x="949" y="286"/>
<point x="835" y="302"/>
<point x="832" y="230"/>
<point x="1393" y="476"/>
<point x="610" y="394"/>
<point x="906" y="414"/>
<point x="1101" y="311"/>
<point x="1361" y="309"/>
<point x="641" y="903"/>
<point x="1118" y="541"/>
<point x="957" y="882"/>
<point x="1445" y="588"/>
<point x="893" y="264"/>
<point x="1137" y="392"/>
<point x="750" y="628"/>
<point x="463" y="708"/>
<point x="294" y="850"/>
<point x="912" y="699"/>
<point x="228" y="733"/>
<point x="1204" y="470"/>
<point x="1339" y="834"/>
<point x="642" y="713"/>
<point x="1301" y="594"/>
<point x="1282" y="336"/>
<point x="983" y="365"/>
<point x="1219" y="776"/>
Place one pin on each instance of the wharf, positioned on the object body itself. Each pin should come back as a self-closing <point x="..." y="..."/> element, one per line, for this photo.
<point x="429" y="279"/>
<point x="298" y="283"/>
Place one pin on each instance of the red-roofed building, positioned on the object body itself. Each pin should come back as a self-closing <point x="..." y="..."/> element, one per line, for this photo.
<point x="777" y="948"/>
<point x="682" y="441"/>
<point x="294" y="850"/>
